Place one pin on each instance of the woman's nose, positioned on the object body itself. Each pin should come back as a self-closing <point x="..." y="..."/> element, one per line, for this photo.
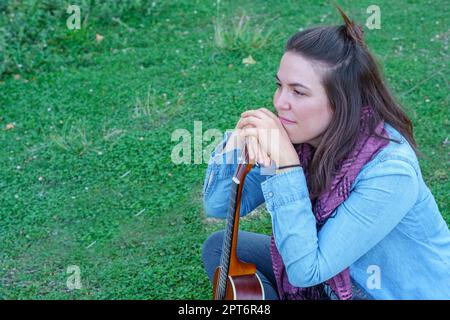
<point x="280" y="103"/>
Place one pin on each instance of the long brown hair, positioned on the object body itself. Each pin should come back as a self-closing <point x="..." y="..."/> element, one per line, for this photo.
<point x="352" y="79"/>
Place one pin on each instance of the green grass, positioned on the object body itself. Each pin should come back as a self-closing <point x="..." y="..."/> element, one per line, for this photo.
<point x="92" y="142"/>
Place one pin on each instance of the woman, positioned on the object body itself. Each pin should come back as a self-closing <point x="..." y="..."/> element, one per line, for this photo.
<point x="352" y="217"/>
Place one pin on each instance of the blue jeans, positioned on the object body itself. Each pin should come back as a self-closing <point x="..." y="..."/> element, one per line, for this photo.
<point x="255" y="248"/>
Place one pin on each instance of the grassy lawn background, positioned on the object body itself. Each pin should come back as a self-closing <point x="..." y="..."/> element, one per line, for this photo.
<point x="86" y="176"/>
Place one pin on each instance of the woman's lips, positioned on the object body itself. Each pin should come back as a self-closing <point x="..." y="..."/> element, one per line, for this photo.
<point x="286" y="121"/>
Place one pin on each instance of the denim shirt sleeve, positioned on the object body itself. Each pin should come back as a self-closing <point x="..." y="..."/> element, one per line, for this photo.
<point x="381" y="197"/>
<point x="218" y="179"/>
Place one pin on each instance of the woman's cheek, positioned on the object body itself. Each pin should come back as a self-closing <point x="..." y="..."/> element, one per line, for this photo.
<point x="275" y="97"/>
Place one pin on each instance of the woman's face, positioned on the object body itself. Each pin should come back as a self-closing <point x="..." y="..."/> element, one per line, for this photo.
<point x="301" y="98"/>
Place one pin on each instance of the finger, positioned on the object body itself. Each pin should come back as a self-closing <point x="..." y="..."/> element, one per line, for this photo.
<point x="250" y="121"/>
<point x="269" y="113"/>
<point x="248" y="147"/>
<point x="255" y="153"/>
<point x="239" y="124"/>
<point x="255" y="147"/>
<point x="254" y="113"/>
<point x="254" y="144"/>
<point x="266" y="160"/>
<point x="248" y="132"/>
<point x="260" y="113"/>
<point x="261" y="155"/>
<point x="251" y="134"/>
<point x="272" y="116"/>
<point x="263" y="115"/>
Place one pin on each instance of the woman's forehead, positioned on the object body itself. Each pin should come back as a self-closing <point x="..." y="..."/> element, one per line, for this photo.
<point x="296" y="69"/>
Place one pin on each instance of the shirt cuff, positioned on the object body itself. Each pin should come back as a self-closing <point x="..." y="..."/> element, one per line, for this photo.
<point x="284" y="188"/>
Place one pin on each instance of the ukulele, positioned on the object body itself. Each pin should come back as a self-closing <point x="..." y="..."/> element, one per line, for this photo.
<point x="235" y="279"/>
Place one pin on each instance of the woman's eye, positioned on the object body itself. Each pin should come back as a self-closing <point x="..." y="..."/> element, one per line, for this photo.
<point x="298" y="93"/>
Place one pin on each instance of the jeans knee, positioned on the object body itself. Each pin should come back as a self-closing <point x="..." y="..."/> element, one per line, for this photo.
<point x="212" y="243"/>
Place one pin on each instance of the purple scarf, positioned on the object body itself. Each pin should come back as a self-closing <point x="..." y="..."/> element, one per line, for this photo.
<point x="366" y="147"/>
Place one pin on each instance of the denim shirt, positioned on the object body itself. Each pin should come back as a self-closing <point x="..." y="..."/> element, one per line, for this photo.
<point x="389" y="231"/>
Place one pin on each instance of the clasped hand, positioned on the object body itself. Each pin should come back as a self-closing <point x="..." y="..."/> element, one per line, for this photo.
<point x="266" y="138"/>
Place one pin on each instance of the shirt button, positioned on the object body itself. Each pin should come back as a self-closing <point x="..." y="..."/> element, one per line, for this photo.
<point x="270" y="194"/>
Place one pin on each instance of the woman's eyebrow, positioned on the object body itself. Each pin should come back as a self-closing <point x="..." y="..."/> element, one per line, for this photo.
<point x="293" y="84"/>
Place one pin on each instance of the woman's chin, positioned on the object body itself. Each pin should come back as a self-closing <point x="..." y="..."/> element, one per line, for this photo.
<point x="298" y="140"/>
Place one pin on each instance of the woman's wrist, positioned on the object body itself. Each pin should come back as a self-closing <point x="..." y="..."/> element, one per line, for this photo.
<point x="287" y="161"/>
<point x="286" y="168"/>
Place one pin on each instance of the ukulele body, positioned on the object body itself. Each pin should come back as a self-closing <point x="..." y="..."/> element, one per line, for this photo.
<point x="240" y="287"/>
